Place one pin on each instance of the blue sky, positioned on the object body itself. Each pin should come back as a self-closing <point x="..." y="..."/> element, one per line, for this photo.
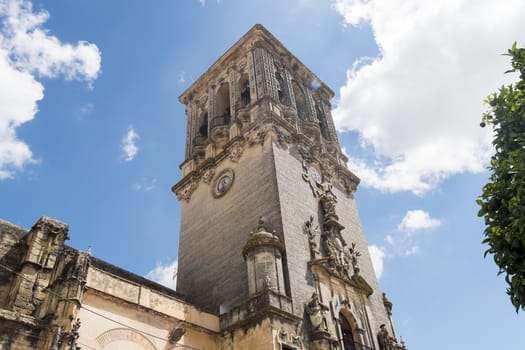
<point x="92" y="133"/>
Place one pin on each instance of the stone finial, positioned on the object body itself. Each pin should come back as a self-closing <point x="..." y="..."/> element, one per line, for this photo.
<point x="261" y="224"/>
<point x="388" y="304"/>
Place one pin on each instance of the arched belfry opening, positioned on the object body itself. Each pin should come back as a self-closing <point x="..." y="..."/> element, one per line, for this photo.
<point x="244" y="88"/>
<point x="203" y="125"/>
<point x="281" y="89"/>
<point x="300" y="101"/>
<point x="223" y="103"/>
<point x="347" y="335"/>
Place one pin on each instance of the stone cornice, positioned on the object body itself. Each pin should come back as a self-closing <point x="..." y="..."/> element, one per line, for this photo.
<point x="356" y="281"/>
<point x="256" y="32"/>
<point x="282" y="132"/>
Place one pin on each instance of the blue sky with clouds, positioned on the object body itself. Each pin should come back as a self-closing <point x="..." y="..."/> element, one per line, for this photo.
<point x="92" y="133"/>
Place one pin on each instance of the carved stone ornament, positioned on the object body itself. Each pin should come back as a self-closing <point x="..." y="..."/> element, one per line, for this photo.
<point x="304" y="151"/>
<point x="282" y="138"/>
<point x="235" y="154"/>
<point x="223" y="182"/>
<point x="388" y="304"/>
<point x="258" y="137"/>
<point x="207" y="176"/>
<point x="69" y="339"/>
<point x="383" y="338"/>
<point x="176" y="334"/>
<point x="186" y="191"/>
<point x="321" y="187"/>
<point x="283" y="337"/>
<point x="350" y="187"/>
<point x="354" y="255"/>
<point x="312" y="232"/>
<point x="315" y="311"/>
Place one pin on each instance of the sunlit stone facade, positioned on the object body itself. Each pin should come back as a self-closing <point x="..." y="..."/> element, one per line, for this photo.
<point x="272" y="254"/>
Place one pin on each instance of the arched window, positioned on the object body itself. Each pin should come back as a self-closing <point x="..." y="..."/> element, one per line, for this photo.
<point x="223" y="101"/>
<point x="203" y="127"/>
<point x="280" y="88"/>
<point x="244" y="88"/>
<point x="300" y="101"/>
<point x="322" y="121"/>
<point x="347" y="335"/>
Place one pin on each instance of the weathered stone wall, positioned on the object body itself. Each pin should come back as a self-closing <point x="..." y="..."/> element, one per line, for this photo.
<point x="212" y="270"/>
<point x="10" y="251"/>
<point x="118" y="313"/>
<point x="297" y="203"/>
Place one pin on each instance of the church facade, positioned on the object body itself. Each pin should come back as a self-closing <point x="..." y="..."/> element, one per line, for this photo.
<point x="272" y="254"/>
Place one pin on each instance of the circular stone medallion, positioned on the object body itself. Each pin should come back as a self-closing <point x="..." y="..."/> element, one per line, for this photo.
<point x="223" y="182"/>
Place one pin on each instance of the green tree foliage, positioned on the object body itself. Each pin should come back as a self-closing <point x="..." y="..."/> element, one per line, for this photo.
<point x="503" y="198"/>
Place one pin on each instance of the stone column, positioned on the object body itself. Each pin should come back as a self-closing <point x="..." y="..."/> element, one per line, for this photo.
<point x="288" y="83"/>
<point x="266" y="84"/>
<point x="325" y="109"/>
<point x="235" y="96"/>
<point x="211" y="105"/>
<point x="310" y="106"/>
<point x="192" y="114"/>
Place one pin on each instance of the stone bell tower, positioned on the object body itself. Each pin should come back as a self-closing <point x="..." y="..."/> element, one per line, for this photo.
<point x="270" y="235"/>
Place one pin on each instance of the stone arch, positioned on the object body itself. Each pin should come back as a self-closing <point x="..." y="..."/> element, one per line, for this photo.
<point x="244" y="88"/>
<point x="127" y="335"/>
<point x="300" y="100"/>
<point x="281" y="89"/>
<point x="350" y="330"/>
<point x="222" y="101"/>
<point x="203" y="123"/>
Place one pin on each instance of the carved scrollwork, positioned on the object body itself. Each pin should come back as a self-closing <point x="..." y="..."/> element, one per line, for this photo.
<point x="208" y="175"/>
<point x="186" y="191"/>
<point x="258" y="137"/>
<point x="236" y="153"/>
<point x="282" y="138"/>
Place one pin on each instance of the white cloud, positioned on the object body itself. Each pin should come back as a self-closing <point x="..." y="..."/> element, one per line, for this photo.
<point x="416" y="220"/>
<point x="405" y="242"/>
<point x="412" y="250"/>
<point x="144" y="185"/>
<point x="28" y="51"/>
<point x="418" y="105"/>
<point x="377" y="254"/>
<point x="165" y="273"/>
<point x="128" y="146"/>
<point x="182" y="77"/>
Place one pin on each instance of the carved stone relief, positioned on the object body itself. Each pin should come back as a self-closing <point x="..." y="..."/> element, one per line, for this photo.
<point x="235" y="153"/>
<point x="312" y="232"/>
<point x="208" y="175"/>
<point x="315" y="311"/>
<point x="124" y="334"/>
<point x="186" y="191"/>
